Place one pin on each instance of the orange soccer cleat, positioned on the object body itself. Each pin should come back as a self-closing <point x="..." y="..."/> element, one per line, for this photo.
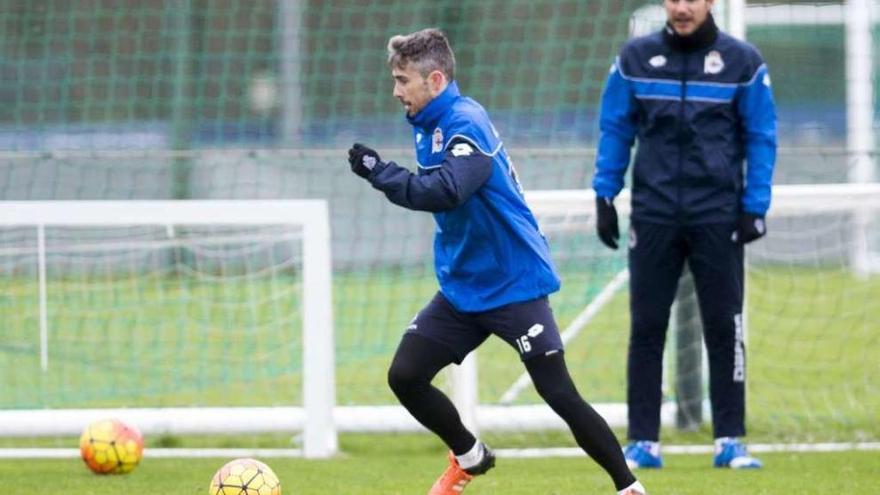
<point x="454" y="479"/>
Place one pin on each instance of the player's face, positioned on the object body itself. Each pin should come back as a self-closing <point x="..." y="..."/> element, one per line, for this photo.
<point x="685" y="16"/>
<point x="411" y="88"/>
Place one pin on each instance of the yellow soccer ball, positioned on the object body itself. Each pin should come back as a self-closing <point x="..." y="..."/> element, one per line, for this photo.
<point x="110" y="446"/>
<point x="245" y="477"/>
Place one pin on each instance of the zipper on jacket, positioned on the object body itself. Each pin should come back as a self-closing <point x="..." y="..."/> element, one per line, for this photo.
<point x="681" y="113"/>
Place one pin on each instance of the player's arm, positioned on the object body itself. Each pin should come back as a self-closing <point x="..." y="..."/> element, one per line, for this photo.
<point x="462" y="172"/>
<point x="618" y="126"/>
<point x="757" y="111"/>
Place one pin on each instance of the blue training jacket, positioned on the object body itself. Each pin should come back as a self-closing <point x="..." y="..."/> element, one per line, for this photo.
<point x="697" y="115"/>
<point x="488" y="249"/>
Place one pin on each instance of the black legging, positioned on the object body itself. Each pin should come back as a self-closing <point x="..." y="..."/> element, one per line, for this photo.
<point x="418" y="360"/>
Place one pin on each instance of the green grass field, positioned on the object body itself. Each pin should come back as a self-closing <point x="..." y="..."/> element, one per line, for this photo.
<point x="408" y="465"/>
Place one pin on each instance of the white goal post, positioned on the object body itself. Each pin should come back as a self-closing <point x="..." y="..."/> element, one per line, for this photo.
<point x="314" y="418"/>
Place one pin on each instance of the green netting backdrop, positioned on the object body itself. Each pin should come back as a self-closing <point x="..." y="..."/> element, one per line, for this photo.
<point x="235" y="99"/>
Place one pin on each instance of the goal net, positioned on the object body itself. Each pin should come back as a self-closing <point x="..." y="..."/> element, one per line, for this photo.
<point x="809" y="316"/>
<point x="197" y="316"/>
<point x="194" y="317"/>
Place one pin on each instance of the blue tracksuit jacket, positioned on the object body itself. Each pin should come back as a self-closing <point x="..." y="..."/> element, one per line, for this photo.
<point x="697" y="115"/>
<point x="488" y="249"/>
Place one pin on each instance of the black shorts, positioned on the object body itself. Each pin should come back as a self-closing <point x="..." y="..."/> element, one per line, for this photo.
<point x="527" y="326"/>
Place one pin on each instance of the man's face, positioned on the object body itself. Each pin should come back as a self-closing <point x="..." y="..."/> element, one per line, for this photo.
<point x="413" y="90"/>
<point x="685" y="16"/>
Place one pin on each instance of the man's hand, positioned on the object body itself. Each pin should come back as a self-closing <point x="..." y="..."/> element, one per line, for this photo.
<point x="749" y="227"/>
<point x="363" y="159"/>
<point x="606" y="222"/>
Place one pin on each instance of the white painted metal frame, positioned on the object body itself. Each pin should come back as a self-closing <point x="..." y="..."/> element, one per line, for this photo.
<point x="316" y="415"/>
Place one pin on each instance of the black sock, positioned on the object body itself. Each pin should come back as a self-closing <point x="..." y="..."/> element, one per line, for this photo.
<point x="554" y="384"/>
<point x="415" y="363"/>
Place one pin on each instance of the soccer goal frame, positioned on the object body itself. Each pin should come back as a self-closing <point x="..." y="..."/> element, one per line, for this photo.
<point x="319" y="418"/>
<point x="314" y="418"/>
<point x="569" y="208"/>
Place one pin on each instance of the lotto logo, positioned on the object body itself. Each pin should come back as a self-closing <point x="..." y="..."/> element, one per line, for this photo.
<point x="739" y="352"/>
<point x="535" y="330"/>
<point x="523" y="343"/>
<point x="462" y="149"/>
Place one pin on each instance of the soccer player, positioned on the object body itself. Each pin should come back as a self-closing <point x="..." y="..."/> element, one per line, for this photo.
<point x="492" y="263"/>
<point x="700" y="103"/>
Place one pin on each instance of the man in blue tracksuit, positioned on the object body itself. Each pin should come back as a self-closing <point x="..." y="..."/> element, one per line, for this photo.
<point x="700" y="104"/>
<point x="492" y="263"/>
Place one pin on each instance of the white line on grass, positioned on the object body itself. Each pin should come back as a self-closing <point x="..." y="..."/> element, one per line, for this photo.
<point x="153" y="453"/>
<point x="701" y="449"/>
<point x="46" y="453"/>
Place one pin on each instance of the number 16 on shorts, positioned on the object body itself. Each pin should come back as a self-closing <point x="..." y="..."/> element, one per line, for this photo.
<point x="523" y="342"/>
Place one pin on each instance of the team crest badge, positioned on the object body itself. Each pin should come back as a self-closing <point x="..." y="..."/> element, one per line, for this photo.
<point x="437" y="141"/>
<point x="713" y="63"/>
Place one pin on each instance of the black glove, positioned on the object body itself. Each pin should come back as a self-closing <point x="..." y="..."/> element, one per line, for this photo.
<point x="606" y="222"/>
<point x="363" y="159"/>
<point x="749" y="227"/>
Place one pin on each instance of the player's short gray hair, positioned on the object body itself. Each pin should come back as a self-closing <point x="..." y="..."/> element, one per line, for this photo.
<point x="427" y="50"/>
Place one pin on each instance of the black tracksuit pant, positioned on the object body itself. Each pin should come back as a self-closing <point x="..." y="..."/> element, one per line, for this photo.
<point x="656" y="256"/>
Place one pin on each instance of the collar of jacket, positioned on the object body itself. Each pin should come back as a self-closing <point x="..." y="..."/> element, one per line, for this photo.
<point x="430" y="115"/>
<point x="702" y="38"/>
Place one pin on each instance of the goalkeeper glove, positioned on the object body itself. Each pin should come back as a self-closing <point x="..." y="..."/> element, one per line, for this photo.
<point x="749" y="227"/>
<point x="363" y="160"/>
<point x="606" y="222"/>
